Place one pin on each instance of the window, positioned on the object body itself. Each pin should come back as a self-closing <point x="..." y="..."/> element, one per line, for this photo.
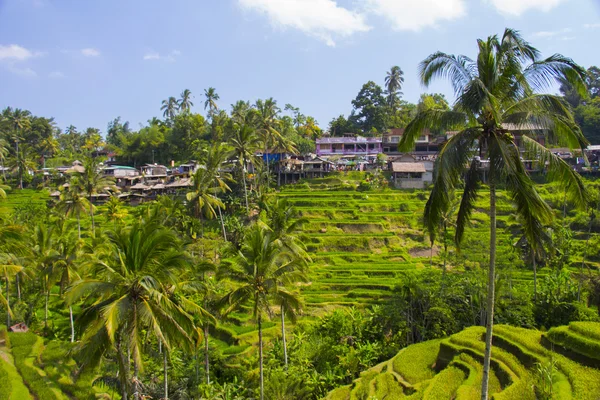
<point x="395" y="139"/>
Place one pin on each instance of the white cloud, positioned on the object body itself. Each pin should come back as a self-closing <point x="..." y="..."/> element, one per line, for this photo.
<point x="411" y="15"/>
<point x="90" y="52"/>
<point x="152" y="56"/>
<point x="549" y="34"/>
<point x="591" y="26"/>
<point x="14" y="52"/>
<point x="25" y="72"/>
<point x="518" y="7"/>
<point x="155" y="56"/>
<point x="56" y="75"/>
<point x="323" y="19"/>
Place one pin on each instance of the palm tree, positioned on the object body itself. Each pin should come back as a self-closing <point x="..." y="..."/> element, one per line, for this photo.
<point x="283" y="145"/>
<point x="241" y="112"/>
<point x="185" y="102"/>
<point x="215" y="157"/>
<point x="127" y="294"/>
<point x="244" y="142"/>
<point x="170" y="107"/>
<point x="43" y="256"/>
<point x="496" y="92"/>
<point x="93" y="181"/>
<point x="211" y="96"/>
<point x="267" y="124"/>
<point x="19" y="120"/>
<point x="3" y="155"/>
<point x="23" y="161"/>
<point x="114" y="210"/>
<point x="283" y="220"/>
<point x="72" y="200"/>
<point x="262" y="269"/>
<point x="393" y="84"/>
<point x="203" y="195"/>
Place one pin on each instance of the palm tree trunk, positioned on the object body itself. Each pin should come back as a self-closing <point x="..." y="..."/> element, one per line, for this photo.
<point x="206" y="358"/>
<point x="587" y="241"/>
<point x="7" y="302"/>
<point x="491" y="290"/>
<point x="19" y="168"/>
<point x="245" y="189"/>
<point x="78" y="225"/>
<point x="534" y="276"/>
<point x="260" y="358"/>
<point x="92" y="215"/>
<point x="166" y="374"/>
<point x="18" y="287"/>
<point x="285" y="355"/>
<point x="72" y="324"/>
<point x="46" y="296"/>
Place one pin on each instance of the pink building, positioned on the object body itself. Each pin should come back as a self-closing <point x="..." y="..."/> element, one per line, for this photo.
<point x="357" y="145"/>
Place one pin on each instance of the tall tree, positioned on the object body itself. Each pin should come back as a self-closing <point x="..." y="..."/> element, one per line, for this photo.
<point x="212" y="97"/>
<point x="185" y="102"/>
<point x="203" y="196"/>
<point x="267" y="112"/>
<point x="261" y="269"/>
<point x="370" y="109"/>
<point x="93" y="182"/>
<point x="393" y="84"/>
<point x="127" y="295"/>
<point x="72" y="200"/>
<point x="499" y="88"/>
<point x="170" y="108"/>
<point x="19" y="120"/>
<point x="244" y="142"/>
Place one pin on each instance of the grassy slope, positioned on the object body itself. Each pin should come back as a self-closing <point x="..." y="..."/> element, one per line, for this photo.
<point x="451" y="369"/>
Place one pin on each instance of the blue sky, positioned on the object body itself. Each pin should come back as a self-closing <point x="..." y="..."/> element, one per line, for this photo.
<point x="86" y="62"/>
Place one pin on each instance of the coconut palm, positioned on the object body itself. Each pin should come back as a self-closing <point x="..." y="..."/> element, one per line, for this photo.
<point x="283" y="145"/>
<point x="128" y="294"/>
<point x="215" y="157"/>
<point x="19" y="120"/>
<point x="244" y="142"/>
<point x="11" y="246"/>
<point x="241" y="112"/>
<point x="393" y="84"/>
<point x="185" y="102"/>
<point x="114" y="210"/>
<point x="203" y="196"/>
<point x="43" y="256"/>
<point x="170" y="107"/>
<point x="3" y="156"/>
<point x="93" y="182"/>
<point x="72" y="200"/>
<point x="496" y="92"/>
<point x="262" y="269"/>
<point x="267" y="125"/>
<point x="211" y="96"/>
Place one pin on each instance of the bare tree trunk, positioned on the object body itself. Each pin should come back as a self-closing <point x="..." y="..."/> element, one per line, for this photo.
<point x="245" y="190"/>
<point x="7" y="302"/>
<point x="534" y="277"/>
<point x="285" y="355"/>
<point x="166" y="374"/>
<point x="222" y="223"/>
<point x="491" y="290"/>
<point x="18" y="286"/>
<point x="92" y="215"/>
<point x="72" y="324"/>
<point x="260" y="358"/>
<point x="206" y="358"/>
<point x="47" y="297"/>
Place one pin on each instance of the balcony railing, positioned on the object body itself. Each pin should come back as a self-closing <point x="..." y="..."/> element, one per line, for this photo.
<point x="349" y="151"/>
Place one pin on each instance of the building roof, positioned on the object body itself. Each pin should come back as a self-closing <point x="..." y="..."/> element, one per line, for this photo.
<point x="408" y="167"/>
<point x="348" y="140"/>
<point x="180" y="183"/>
<point x="140" y="186"/>
<point x="121" y="167"/>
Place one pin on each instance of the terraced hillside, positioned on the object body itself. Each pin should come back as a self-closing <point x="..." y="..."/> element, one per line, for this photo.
<point x="32" y="369"/>
<point x="364" y="242"/>
<point x="526" y="364"/>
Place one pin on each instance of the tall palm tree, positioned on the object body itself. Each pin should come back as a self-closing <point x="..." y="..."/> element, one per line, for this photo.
<point x="203" y="195"/>
<point x="93" y="182"/>
<point x="244" y="142"/>
<point x="3" y="156"/>
<point x="262" y="269"/>
<point x="267" y="125"/>
<point x="241" y="112"/>
<point x="43" y="256"/>
<point x="114" y="210"/>
<point x="283" y="220"/>
<point x="19" y="120"/>
<point x="215" y="157"/>
<point x="393" y="83"/>
<point x="72" y="200"/>
<point x="170" y="107"/>
<point x="11" y="246"/>
<point x="211" y="96"/>
<point x="496" y="92"/>
<point x="283" y="145"/>
<point x="127" y="295"/>
<point x="185" y="102"/>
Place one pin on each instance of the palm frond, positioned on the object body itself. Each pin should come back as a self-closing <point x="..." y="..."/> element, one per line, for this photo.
<point x="467" y="203"/>
<point x="438" y="119"/>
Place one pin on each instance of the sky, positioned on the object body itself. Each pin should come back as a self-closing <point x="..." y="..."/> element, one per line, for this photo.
<point x="86" y="62"/>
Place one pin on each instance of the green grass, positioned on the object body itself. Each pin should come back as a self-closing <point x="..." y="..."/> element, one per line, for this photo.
<point x="415" y="362"/>
<point x="446" y="383"/>
<point x="570" y="339"/>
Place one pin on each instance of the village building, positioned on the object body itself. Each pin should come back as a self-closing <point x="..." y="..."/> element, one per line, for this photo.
<point x="349" y="146"/>
<point x="409" y="175"/>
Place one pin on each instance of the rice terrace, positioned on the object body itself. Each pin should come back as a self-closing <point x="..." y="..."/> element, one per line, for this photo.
<point x="437" y="239"/>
